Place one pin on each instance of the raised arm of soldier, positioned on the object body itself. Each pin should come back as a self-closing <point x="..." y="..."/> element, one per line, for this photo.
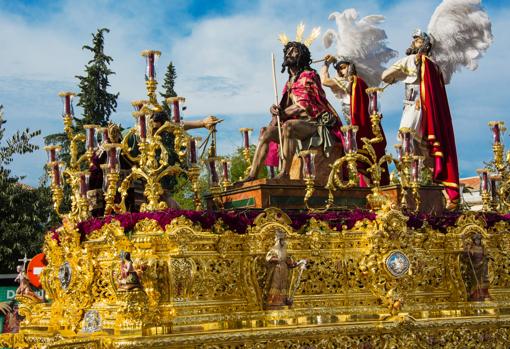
<point x="341" y="84"/>
<point x="325" y="78"/>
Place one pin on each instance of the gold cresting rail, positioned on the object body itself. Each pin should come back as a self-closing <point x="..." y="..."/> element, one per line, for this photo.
<point x="379" y="284"/>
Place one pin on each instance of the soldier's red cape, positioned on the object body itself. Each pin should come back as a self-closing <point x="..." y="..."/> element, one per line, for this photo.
<point x="437" y="127"/>
<point x="309" y="94"/>
<point x="360" y="116"/>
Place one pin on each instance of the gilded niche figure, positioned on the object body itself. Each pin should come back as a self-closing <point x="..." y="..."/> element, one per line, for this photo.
<point x="476" y="269"/>
<point x="24" y="288"/>
<point x="129" y="278"/>
<point x="277" y="288"/>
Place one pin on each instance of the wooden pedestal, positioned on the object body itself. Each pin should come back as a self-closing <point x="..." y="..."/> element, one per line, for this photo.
<point x="289" y="195"/>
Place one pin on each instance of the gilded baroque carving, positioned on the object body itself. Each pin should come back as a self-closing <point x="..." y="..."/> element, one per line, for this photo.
<point x="361" y="285"/>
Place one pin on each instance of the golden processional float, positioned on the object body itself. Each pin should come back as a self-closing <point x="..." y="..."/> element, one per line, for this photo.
<point x="303" y="263"/>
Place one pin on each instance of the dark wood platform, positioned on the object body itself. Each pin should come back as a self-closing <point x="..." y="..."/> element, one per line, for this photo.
<point x="289" y="195"/>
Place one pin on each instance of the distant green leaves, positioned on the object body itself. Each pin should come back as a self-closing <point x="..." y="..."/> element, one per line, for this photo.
<point x="25" y="212"/>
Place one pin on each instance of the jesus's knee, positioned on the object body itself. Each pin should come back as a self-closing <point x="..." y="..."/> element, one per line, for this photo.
<point x="264" y="134"/>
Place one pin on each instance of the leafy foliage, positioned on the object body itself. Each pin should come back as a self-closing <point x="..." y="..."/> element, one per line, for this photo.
<point x="183" y="194"/>
<point x="238" y="164"/>
<point x="25" y="211"/>
<point x="19" y="143"/>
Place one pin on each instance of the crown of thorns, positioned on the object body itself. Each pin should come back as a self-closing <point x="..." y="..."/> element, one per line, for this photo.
<point x="284" y="39"/>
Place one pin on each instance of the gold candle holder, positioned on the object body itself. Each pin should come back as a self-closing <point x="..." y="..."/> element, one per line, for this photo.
<point x="82" y="201"/>
<point x="484" y="189"/>
<point x="225" y="183"/>
<point x="68" y="111"/>
<point x="193" y="175"/>
<point x="151" y="165"/>
<point x="308" y="162"/>
<point x="57" y="193"/>
<point x="112" y="169"/>
<point x="90" y="137"/>
<point x="245" y="132"/>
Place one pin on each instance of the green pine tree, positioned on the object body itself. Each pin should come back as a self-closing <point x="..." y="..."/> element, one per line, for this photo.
<point x="94" y="98"/>
<point x="170" y="183"/>
<point x="25" y="211"/>
<point x="97" y="103"/>
<point x="169" y="86"/>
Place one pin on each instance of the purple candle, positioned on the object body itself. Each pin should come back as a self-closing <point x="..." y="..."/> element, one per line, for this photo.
<point x="406" y="143"/>
<point x="105" y="135"/>
<point x="496" y="133"/>
<point x="83" y="185"/>
<point x="374" y="102"/>
<point x="104" y="169"/>
<point x="484" y="181"/>
<point x="112" y="159"/>
<point x="214" y="173"/>
<point x="52" y="154"/>
<point x="143" y="126"/>
<point x="150" y="62"/>
<point x="246" y="139"/>
<point x="352" y="135"/>
<point x="225" y="170"/>
<point x="308" y="164"/>
<point x="415" y="170"/>
<point x="67" y="104"/>
<point x="347" y="140"/>
<point x="494" y="187"/>
<point x="56" y="174"/>
<point x="192" y="151"/>
<point x="176" y="113"/>
<point x="91" y="138"/>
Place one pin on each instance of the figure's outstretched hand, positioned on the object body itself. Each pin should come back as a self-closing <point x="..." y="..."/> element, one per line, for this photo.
<point x="328" y="59"/>
<point x="210" y="121"/>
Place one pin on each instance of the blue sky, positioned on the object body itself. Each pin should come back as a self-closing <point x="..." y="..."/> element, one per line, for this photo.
<point x="221" y="50"/>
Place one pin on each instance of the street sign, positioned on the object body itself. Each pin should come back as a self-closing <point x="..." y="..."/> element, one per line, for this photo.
<point x="35" y="267"/>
